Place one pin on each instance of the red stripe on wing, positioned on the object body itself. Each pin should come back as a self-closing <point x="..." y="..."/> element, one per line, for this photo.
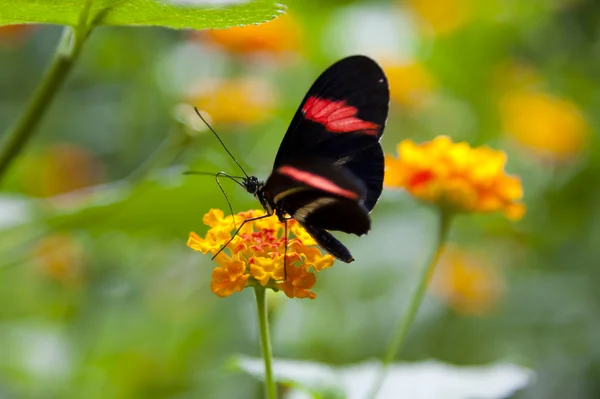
<point x="336" y="116"/>
<point x="316" y="181"/>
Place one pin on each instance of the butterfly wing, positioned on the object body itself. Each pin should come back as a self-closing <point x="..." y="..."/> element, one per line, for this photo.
<point x="342" y="118"/>
<point x="329" y="243"/>
<point x="317" y="193"/>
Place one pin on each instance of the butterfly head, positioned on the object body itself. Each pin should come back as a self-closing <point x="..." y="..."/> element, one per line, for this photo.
<point x="252" y="185"/>
<point x="255" y="187"/>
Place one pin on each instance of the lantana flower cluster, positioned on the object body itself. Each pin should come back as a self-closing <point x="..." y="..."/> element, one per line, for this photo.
<point x="256" y="254"/>
<point x="456" y="177"/>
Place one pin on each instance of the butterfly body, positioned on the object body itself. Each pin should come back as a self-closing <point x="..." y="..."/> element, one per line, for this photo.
<point x="328" y="172"/>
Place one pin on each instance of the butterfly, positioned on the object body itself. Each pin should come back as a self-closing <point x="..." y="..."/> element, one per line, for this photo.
<point x="328" y="171"/>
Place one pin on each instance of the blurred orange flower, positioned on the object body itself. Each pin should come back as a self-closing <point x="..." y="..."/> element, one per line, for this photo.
<point x="243" y="100"/>
<point x="255" y="256"/>
<point x="283" y="34"/>
<point x="61" y="258"/>
<point x="11" y="35"/>
<point x="466" y="282"/>
<point x="61" y="169"/>
<point x="410" y="83"/>
<point x="456" y="177"/>
<point x="544" y="123"/>
<point x="442" y="16"/>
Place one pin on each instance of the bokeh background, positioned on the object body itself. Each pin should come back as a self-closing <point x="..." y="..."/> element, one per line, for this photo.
<point x="101" y="297"/>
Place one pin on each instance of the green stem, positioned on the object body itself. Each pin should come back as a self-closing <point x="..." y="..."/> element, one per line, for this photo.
<point x="15" y="139"/>
<point x="415" y="301"/>
<point x="265" y="341"/>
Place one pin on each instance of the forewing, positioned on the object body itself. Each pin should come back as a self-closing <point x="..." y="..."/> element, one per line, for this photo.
<point x="347" y="106"/>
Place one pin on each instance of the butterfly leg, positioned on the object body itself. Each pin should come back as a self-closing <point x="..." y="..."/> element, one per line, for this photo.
<point x="285" y="243"/>
<point x="237" y="231"/>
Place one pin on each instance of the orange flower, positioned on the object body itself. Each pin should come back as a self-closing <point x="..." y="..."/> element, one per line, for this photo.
<point x="456" y="177"/>
<point x="298" y="283"/>
<point x="255" y="255"/>
<point x="12" y="35"/>
<point x="61" y="169"/>
<point x="61" y="258"/>
<point x="467" y="283"/>
<point x="230" y="278"/>
<point x="280" y="35"/>
<point x="544" y="123"/>
<point x="242" y="100"/>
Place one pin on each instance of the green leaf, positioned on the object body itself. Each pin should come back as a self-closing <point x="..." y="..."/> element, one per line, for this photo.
<point x="177" y="14"/>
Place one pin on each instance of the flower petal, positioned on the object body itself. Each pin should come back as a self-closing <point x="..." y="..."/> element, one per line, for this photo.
<point x="456" y="176"/>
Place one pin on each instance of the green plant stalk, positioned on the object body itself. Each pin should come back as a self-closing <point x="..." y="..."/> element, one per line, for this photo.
<point x="15" y="139"/>
<point x="265" y="341"/>
<point x="415" y="301"/>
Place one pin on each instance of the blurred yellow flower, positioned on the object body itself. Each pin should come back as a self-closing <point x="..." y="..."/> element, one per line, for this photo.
<point x="544" y="123"/>
<point x="61" y="258"/>
<point x="466" y="282"/>
<point x="442" y="16"/>
<point x="456" y="177"/>
<point x="410" y="84"/>
<point x="241" y="100"/>
<point x="255" y="255"/>
<point x="283" y="34"/>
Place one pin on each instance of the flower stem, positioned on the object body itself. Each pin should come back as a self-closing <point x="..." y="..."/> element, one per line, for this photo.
<point x="415" y="301"/>
<point x="15" y="139"/>
<point x="265" y="341"/>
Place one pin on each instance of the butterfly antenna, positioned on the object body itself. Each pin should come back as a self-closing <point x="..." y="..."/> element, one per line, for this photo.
<point x="234" y="178"/>
<point x="216" y="176"/>
<point x="221" y="141"/>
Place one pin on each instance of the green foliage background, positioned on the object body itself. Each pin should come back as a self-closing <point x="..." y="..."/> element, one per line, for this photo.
<point x="142" y="321"/>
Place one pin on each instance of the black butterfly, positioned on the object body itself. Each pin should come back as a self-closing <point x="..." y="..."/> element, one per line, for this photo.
<point x="328" y="172"/>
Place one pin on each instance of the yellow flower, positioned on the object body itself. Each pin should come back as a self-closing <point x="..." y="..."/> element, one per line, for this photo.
<point x="467" y="282"/>
<point x="264" y="269"/>
<point x="255" y="255"/>
<point x="298" y="283"/>
<point x="456" y="177"/>
<point x="230" y="278"/>
<point x="410" y="84"/>
<point x="303" y="236"/>
<point x="544" y="123"/>
<point x="312" y="256"/>
<point x="281" y="35"/>
<point x="442" y="16"/>
<point x="240" y="100"/>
